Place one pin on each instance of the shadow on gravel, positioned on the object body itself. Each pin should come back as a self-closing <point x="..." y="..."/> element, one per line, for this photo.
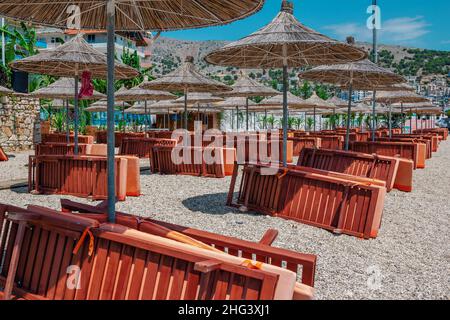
<point x="19" y="188"/>
<point x="209" y="203"/>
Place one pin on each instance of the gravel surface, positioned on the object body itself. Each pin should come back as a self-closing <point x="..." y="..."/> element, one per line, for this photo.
<point x="410" y="259"/>
<point x="16" y="167"/>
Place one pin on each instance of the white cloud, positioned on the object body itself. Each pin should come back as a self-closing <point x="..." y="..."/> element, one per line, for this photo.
<point x="397" y="30"/>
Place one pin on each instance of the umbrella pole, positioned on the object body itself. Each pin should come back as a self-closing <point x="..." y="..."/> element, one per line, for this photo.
<point x="237" y="119"/>
<point x="265" y="119"/>
<point x="185" y="109"/>
<point x="254" y="121"/>
<point x="402" y="118"/>
<point x="314" y="119"/>
<point x="67" y="121"/>
<point x="374" y="103"/>
<point x="417" y="122"/>
<point x="410" y="121"/>
<point x="390" y="121"/>
<point x="349" y="110"/>
<point x="146" y="116"/>
<point x="232" y="120"/>
<point x="75" y="152"/>
<point x="110" y="15"/>
<point x="285" y="110"/>
<point x="246" y="114"/>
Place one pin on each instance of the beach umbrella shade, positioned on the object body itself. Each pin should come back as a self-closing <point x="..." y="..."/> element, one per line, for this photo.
<point x="360" y="75"/>
<point x="71" y="60"/>
<point x="338" y="102"/>
<point x="138" y="93"/>
<point x="102" y="106"/>
<point x="234" y="103"/>
<point x="391" y="97"/>
<point x="127" y="15"/>
<point x="316" y="102"/>
<point x="247" y="87"/>
<point x="63" y="89"/>
<point x="200" y="98"/>
<point x="284" y="43"/>
<point x="187" y="79"/>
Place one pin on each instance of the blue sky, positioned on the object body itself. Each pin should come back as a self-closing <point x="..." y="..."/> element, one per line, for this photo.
<point x="415" y="23"/>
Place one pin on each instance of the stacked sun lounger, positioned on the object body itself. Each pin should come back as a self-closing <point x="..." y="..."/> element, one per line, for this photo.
<point x="43" y="253"/>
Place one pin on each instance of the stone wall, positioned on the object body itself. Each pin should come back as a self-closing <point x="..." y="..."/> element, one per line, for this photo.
<point x="19" y="123"/>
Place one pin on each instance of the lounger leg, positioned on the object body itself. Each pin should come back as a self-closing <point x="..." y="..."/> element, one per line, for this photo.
<point x="14" y="261"/>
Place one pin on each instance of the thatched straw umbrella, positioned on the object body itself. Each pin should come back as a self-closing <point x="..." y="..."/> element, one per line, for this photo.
<point x="71" y="60"/>
<point x="102" y="106"/>
<point x="391" y="97"/>
<point x="361" y="75"/>
<point x="284" y="43"/>
<point x="234" y="103"/>
<point x="413" y="107"/>
<point x="199" y="98"/>
<point x="316" y="102"/>
<point x="128" y="16"/>
<point x="138" y="93"/>
<point x="247" y="87"/>
<point x="187" y="79"/>
<point x="64" y="89"/>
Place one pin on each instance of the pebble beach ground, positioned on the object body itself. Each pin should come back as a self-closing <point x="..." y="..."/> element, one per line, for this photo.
<point x="410" y="259"/>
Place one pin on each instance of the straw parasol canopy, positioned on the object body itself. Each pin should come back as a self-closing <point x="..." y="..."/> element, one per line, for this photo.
<point x="200" y="97"/>
<point x="5" y="91"/>
<point x="60" y="104"/>
<point x="283" y="43"/>
<point x="102" y="106"/>
<point x="247" y="87"/>
<point x="187" y="79"/>
<point x="70" y="60"/>
<point x="235" y="102"/>
<point x="361" y="75"/>
<point x="338" y="102"/>
<point x="138" y="93"/>
<point x="391" y="97"/>
<point x="63" y="89"/>
<point x="277" y="101"/>
<point x="137" y="15"/>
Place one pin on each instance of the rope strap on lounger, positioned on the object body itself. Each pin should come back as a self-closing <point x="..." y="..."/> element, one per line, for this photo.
<point x="86" y="232"/>
<point x="254" y="265"/>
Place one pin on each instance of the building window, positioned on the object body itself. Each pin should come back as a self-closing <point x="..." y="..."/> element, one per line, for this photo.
<point x="91" y="38"/>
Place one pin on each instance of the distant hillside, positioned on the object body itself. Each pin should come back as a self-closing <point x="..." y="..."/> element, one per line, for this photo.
<point x="168" y="54"/>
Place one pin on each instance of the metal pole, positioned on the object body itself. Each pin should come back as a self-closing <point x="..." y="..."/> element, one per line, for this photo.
<point x="349" y="110"/>
<point x="185" y="109"/>
<point x="285" y="112"/>
<point x="375" y="60"/>
<point x="76" y="117"/>
<point x="232" y="119"/>
<point x="265" y="119"/>
<point x="402" y="118"/>
<point x="3" y="44"/>
<point x="390" y="121"/>
<point x="111" y="20"/>
<point x="67" y="121"/>
<point x="410" y="121"/>
<point x="237" y="118"/>
<point x="246" y="114"/>
<point x="146" y="116"/>
<point x="417" y="122"/>
<point x="314" y="119"/>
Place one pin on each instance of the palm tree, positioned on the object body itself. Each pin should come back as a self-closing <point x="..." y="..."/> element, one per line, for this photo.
<point x="309" y="123"/>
